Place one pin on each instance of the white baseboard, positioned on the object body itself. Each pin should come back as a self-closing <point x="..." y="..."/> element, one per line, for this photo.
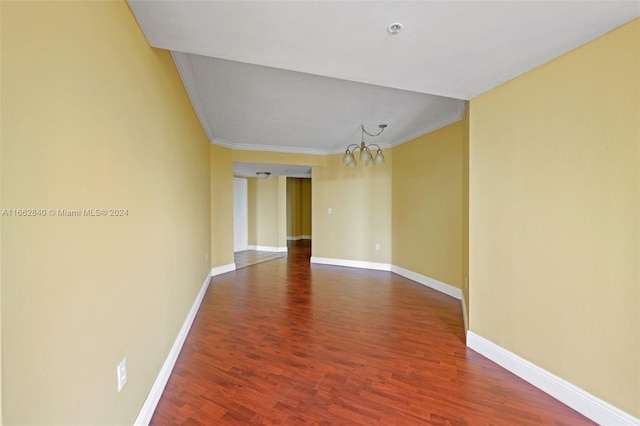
<point x="299" y="237"/>
<point x="351" y="263"/>
<point x="269" y="248"/>
<point x="464" y="314"/>
<point x="421" y="279"/>
<point x="429" y="282"/>
<point x="583" y="402"/>
<point x="223" y="269"/>
<point x="149" y="406"/>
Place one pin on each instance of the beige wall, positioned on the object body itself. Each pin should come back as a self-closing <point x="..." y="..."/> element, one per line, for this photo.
<point x="555" y="217"/>
<point x="428" y="203"/>
<point x="298" y="207"/>
<point x="360" y="199"/>
<point x="221" y="173"/>
<point x="93" y="118"/>
<point x="267" y="211"/>
<point x="1" y="207"/>
<point x="281" y="238"/>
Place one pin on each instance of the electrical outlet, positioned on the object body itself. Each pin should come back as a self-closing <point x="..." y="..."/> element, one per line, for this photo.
<point x="378" y="246"/>
<point x="329" y="210"/>
<point x="122" y="373"/>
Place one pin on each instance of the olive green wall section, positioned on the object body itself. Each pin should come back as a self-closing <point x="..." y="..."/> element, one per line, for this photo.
<point x="554" y="203"/>
<point x="281" y="239"/>
<point x="93" y="118"/>
<point x="221" y="206"/>
<point x="293" y="201"/>
<point x="305" y="207"/>
<point x="298" y="207"/>
<point x="360" y="199"/>
<point x="428" y="204"/>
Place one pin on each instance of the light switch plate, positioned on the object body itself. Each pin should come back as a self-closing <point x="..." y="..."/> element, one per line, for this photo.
<point x="122" y="373"/>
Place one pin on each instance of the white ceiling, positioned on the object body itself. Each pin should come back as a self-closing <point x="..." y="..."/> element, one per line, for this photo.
<point x="301" y="76"/>
<point x="247" y="106"/>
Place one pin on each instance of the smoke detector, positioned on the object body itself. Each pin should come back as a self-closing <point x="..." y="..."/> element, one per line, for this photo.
<point x="395" y="28"/>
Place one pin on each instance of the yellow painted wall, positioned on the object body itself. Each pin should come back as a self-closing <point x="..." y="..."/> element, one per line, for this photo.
<point x="221" y="206"/>
<point x="267" y="211"/>
<point x="555" y="217"/>
<point x="93" y="118"/>
<point x="428" y="204"/>
<point x="298" y="207"/>
<point x="360" y="199"/>
<point x="1" y="206"/>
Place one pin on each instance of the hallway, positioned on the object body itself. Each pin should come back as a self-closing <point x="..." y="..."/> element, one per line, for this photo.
<point x="286" y="342"/>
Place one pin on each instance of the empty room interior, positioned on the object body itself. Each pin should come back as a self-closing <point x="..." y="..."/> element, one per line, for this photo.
<point x="449" y="194"/>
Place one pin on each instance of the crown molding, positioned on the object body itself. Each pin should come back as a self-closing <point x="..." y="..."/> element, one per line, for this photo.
<point x="190" y="83"/>
<point x="268" y="148"/>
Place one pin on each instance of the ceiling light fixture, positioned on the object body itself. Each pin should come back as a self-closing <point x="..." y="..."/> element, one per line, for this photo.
<point x="365" y="151"/>
<point x="395" y="28"/>
<point x="263" y="175"/>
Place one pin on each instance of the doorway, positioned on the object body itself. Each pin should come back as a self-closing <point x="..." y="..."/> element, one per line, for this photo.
<point x="298" y="208"/>
<point x="240" y="215"/>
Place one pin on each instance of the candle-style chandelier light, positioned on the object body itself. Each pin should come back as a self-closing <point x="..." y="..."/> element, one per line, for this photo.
<point x="365" y="150"/>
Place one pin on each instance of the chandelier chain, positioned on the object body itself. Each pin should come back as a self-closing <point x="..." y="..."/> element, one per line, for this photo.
<point x="373" y="135"/>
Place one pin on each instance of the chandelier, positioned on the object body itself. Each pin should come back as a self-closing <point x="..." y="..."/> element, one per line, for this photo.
<point x="365" y="150"/>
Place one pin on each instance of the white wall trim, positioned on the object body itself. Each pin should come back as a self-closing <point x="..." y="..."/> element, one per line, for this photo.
<point x="414" y="276"/>
<point x="299" y="237"/>
<point x="444" y="121"/>
<point x="351" y="263"/>
<point x="223" y="269"/>
<point x="583" y="402"/>
<point x="429" y="282"/>
<point x="269" y="248"/>
<point x="464" y="314"/>
<point x="149" y="406"/>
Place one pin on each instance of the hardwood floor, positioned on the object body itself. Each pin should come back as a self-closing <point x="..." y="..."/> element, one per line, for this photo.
<point x="283" y="342"/>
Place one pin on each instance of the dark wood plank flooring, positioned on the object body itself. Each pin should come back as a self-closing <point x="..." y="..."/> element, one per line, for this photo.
<point x="283" y="342"/>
